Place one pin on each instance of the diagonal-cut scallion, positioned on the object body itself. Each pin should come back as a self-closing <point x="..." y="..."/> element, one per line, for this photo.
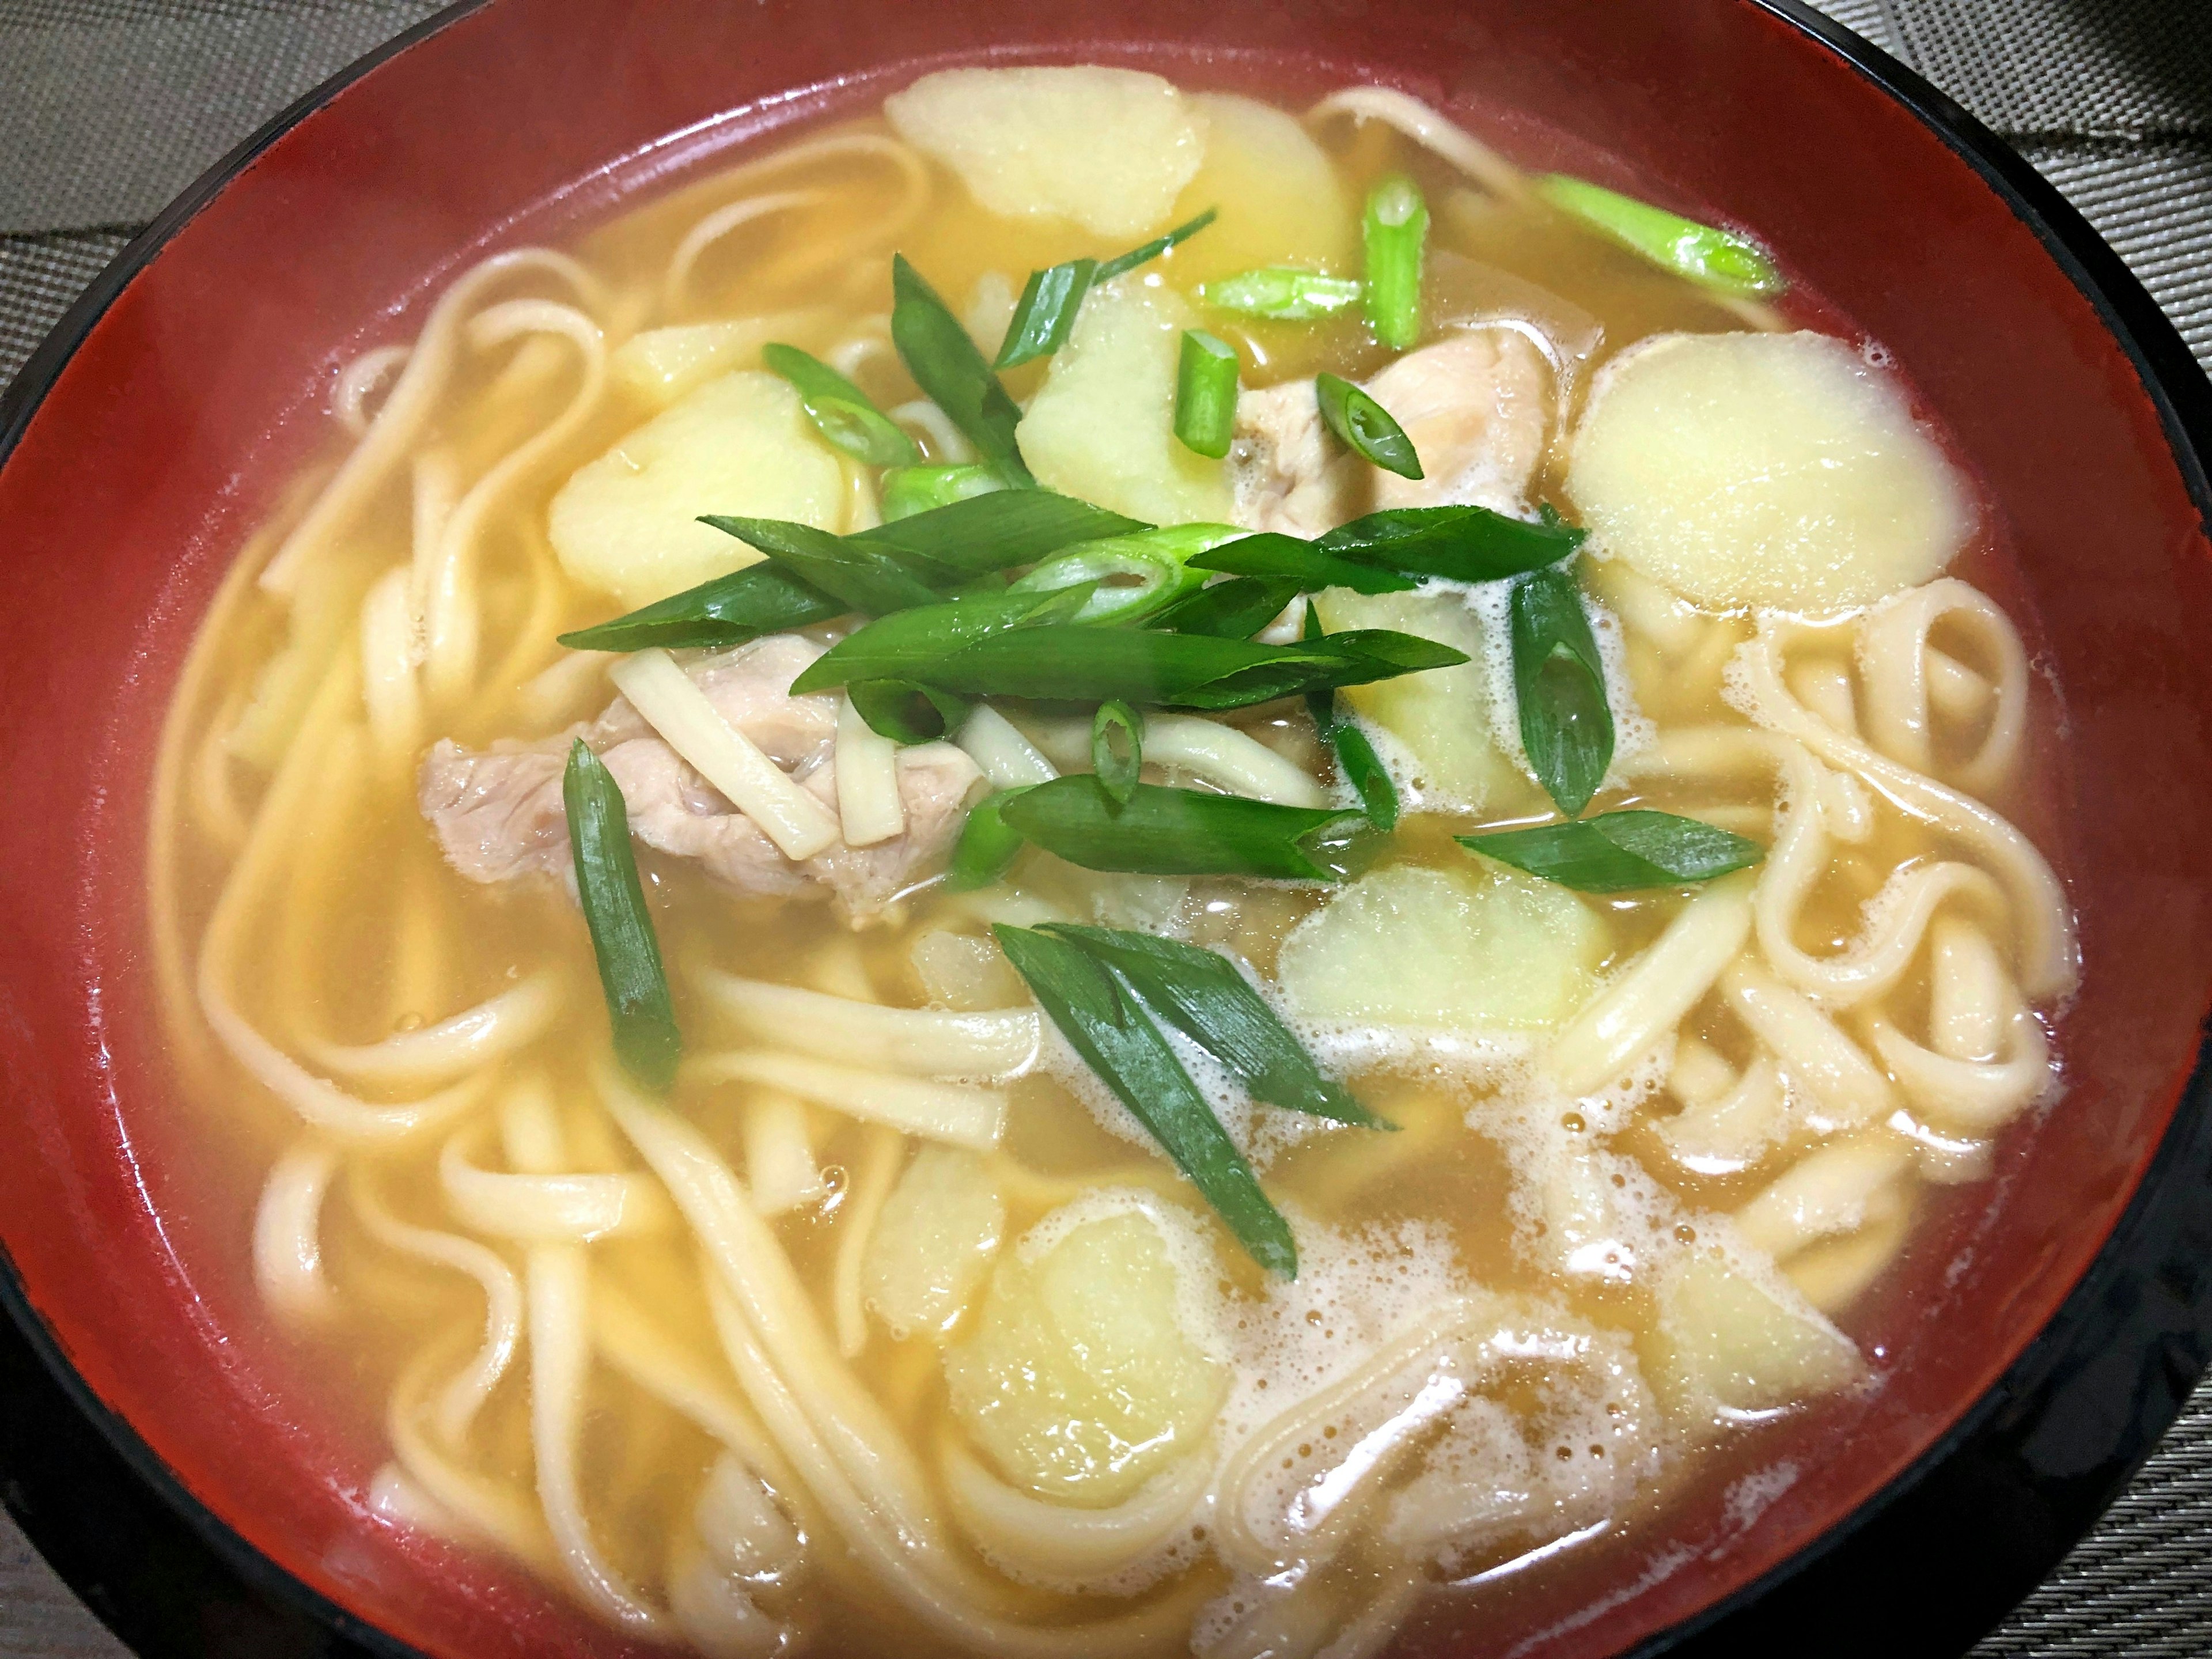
<point x="1105" y="1023"/>
<point x="1045" y="314"/>
<point x="987" y="845"/>
<point x="1234" y="610"/>
<point x="840" y="411"/>
<point x="1566" y="725"/>
<point x="912" y="645"/>
<point x="866" y="579"/>
<point x="1159" y="831"/>
<point x="1206" y="394"/>
<point x="1395" y="231"/>
<point x="1308" y="565"/>
<point x="1123" y="263"/>
<point x="1356" y="758"/>
<point x="1366" y="426"/>
<point x="907" y="490"/>
<point x="631" y="976"/>
<point x="934" y="346"/>
<point x="1281" y="295"/>
<point x="1461" y="544"/>
<point x="1117" y="749"/>
<point x="1705" y="254"/>
<point x="1621" y="852"/>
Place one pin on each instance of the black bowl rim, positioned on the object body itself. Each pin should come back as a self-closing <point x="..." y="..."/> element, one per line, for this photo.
<point x="1919" y="1565"/>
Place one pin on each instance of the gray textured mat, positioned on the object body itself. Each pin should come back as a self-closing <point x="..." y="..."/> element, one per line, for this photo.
<point x="109" y="108"/>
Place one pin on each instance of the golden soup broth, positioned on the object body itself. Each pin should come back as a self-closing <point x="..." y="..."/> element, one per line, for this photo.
<point x="305" y="914"/>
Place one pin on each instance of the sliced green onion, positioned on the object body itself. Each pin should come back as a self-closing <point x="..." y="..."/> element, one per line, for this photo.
<point x="1281" y="295"/>
<point x="1117" y="767"/>
<point x="1459" y="544"/>
<point x="1202" y="994"/>
<point x="1233" y="610"/>
<point x="1123" y="263"/>
<point x="934" y="346"/>
<point x="1366" y="426"/>
<point x="1396" y="228"/>
<point x="987" y="847"/>
<point x="1159" y="831"/>
<point x="907" y="490"/>
<point x="1045" y="315"/>
<point x="1566" y="725"/>
<point x="866" y="579"/>
<point x="1136" y="575"/>
<point x="909" y="645"/>
<point x="983" y="532"/>
<point x="840" y="411"/>
<point x="1620" y="852"/>
<point x="645" y="1039"/>
<point x="1270" y="553"/>
<point x="1146" y="667"/>
<point x="1206" y="394"/>
<point x="761" y="598"/>
<point x="1715" y="259"/>
<point x="906" y="712"/>
<point x="1356" y="758"/>
<point x="1104" y="1022"/>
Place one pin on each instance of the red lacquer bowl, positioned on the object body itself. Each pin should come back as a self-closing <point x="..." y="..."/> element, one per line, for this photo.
<point x="150" y="435"/>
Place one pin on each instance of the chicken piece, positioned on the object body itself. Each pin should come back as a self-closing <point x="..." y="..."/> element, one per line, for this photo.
<point x="499" y="814"/>
<point x="1476" y="405"/>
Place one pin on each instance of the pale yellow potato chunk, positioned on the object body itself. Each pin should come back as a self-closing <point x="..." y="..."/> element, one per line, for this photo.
<point x="1774" y="469"/>
<point x="1080" y="1381"/>
<point x="1440" y="718"/>
<point x="1479" y="950"/>
<point x="1277" y="197"/>
<point x="659" y="365"/>
<point x="1107" y="148"/>
<point x="626" y="523"/>
<point x="1728" y="1344"/>
<point x="1102" y="425"/>
<point x="933" y="1243"/>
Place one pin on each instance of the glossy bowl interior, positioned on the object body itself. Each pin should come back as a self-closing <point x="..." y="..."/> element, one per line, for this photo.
<point x="166" y="434"/>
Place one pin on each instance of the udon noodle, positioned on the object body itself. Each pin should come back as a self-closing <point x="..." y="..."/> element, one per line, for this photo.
<point x="888" y="1329"/>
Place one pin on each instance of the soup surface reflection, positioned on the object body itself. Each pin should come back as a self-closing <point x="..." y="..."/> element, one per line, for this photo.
<point x="1229" y="1205"/>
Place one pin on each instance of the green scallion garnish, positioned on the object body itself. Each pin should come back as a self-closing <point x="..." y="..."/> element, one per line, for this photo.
<point x="1566" y="725"/>
<point x="1206" y="394"/>
<point x="1133" y="576"/>
<point x="1158" y="831"/>
<point x="1100" y="1014"/>
<point x="761" y="598"/>
<point x="1306" y="564"/>
<point x="988" y="846"/>
<point x="1715" y="258"/>
<point x="934" y="346"/>
<point x="1396" y="229"/>
<point x="1281" y="295"/>
<point x="1459" y="544"/>
<point x="1356" y="758"/>
<point x="1045" y="314"/>
<point x="1123" y="263"/>
<point x="908" y="646"/>
<point x="645" y="1039"/>
<point x="1202" y="994"/>
<point x="906" y="712"/>
<point x="1620" y="852"/>
<point x="907" y="490"/>
<point x="867" y="579"/>
<point x="1117" y="749"/>
<point x="1234" y="610"/>
<point x="1366" y="426"/>
<point x="840" y="411"/>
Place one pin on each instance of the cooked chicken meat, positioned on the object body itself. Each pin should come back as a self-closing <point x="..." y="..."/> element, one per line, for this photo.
<point x="498" y="813"/>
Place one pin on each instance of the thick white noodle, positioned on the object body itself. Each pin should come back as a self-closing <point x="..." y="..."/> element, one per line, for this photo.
<point x="953" y="1112"/>
<point x="498" y="1026"/>
<point x="1847" y="1090"/>
<point x="1732" y="1130"/>
<point x="408" y="408"/>
<point x="1987" y="1059"/>
<point x="288" y="1232"/>
<point x="390" y="651"/>
<point x="1825" y="1192"/>
<point x="1222" y="755"/>
<point x="674" y="292"/>
<point x="1010" y="760"/>
<point x="1903" y="674"/>
<point x="547" y="1208"/>
<point x="670" y="701"/>
<point x="916" y="1042"/>
<point x="2050" y="959"/>
<point x="1061" y="1545"/>
<point x="1427" y="127"/>
<point x="1648" y="998"/>
<point x="360" y="381"/>
<point x="869" y="808"/>
<point x="560" y="1372"/>
<point x="878" y="1172"/>
<point x="780" y="1169"/>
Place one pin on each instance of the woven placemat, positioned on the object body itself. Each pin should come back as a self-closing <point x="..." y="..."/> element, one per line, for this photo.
<point x="109" y="108"/>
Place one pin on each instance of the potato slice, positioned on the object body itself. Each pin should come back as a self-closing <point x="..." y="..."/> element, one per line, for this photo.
<point x="933" y="1241"/>
<point x="661" y="364"/>
<point x="1276" y="193"/>
<point x="1440" y="718"/>
<point x="626" y="523"/>
<point x="1082" y="1380"/>
<point x="1109" y="148"/>
<point x="1102" y="425"/>
<point x="1765" y="469"/>
<point x="1481" y="949"/>
<point x="1728" y="1344"/>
